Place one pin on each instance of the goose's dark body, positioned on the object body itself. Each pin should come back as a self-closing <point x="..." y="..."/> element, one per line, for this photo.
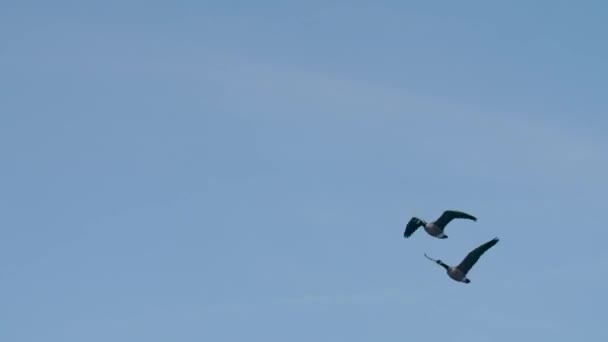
<point x="459" y="273"/>
<point x="437" y="227"/>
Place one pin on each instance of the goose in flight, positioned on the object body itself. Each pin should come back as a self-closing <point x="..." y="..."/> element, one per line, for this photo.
<point x="459" y="273"/>
<point x="436" y="227"/>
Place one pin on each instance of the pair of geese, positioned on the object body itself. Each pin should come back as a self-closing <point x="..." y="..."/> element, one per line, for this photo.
<point x="436" y="229"/>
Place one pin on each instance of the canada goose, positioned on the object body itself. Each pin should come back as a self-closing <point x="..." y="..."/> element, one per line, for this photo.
<point x="459" y="273"/>
<point x="436" y="227"/>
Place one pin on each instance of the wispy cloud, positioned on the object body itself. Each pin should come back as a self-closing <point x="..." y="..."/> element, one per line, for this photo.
<point x="481" y="140"/>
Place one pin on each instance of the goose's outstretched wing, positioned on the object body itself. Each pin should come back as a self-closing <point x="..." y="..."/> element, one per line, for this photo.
<point x="449" y="215"/>
<point x="411" y="227"/>
<point x="473" y="256"/>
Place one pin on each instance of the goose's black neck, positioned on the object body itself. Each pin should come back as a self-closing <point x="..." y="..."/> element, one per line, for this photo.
<point x="439" y="262"/>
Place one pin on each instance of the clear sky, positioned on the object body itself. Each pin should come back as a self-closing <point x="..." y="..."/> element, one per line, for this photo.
<point x="243" y="171"/>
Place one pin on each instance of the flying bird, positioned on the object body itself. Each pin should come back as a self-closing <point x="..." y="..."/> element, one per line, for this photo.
<point x="436" y="227"/>
<point x="459" y="273"/>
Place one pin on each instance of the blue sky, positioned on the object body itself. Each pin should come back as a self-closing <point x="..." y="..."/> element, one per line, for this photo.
<point x="230" y="171"/>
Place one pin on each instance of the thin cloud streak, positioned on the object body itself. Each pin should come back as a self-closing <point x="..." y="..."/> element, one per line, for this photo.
<point x="520" y="144"/>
